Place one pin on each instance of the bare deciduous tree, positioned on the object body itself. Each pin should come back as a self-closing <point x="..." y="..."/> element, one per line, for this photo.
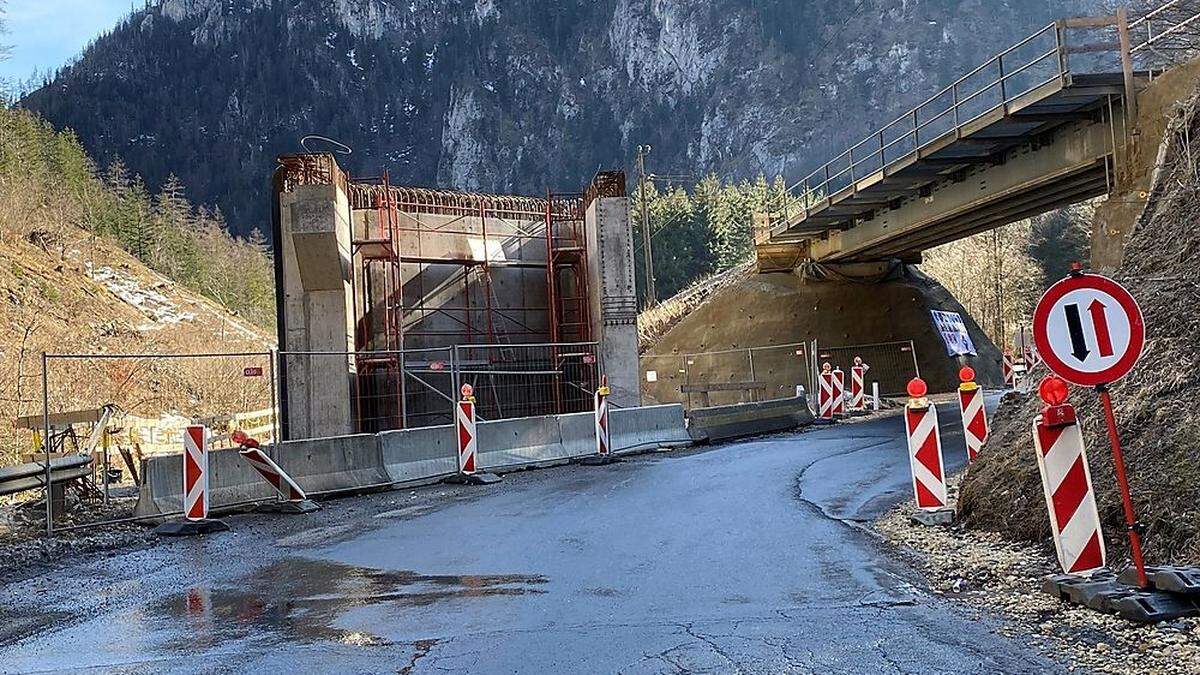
<point x="5" y="50"/>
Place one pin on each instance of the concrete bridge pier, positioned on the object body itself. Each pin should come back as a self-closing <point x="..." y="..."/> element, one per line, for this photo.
<point x="614" y="306"/>
<point x="316" y="296"/>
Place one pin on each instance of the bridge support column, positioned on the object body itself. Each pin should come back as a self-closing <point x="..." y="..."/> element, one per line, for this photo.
<point x="614" y="299"/>
<point x="314" y="248"/>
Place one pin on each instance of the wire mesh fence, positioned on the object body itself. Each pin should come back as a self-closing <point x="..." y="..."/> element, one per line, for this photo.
<point x="529" y="380"/>
<point x="105" y="415"/>
<point x="726" y="377"/>
<point x="336" y="393"/>
<point x="891" y="364"/>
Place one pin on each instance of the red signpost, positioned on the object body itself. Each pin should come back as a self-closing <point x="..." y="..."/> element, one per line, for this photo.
<point x="1095" y="353"/>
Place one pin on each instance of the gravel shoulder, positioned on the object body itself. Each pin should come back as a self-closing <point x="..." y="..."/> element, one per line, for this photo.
<point x="984" y="570"/>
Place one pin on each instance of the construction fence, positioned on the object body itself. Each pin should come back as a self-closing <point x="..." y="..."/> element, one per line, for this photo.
<point x="705" y="379"/>
<point x="104" y="415"/>
<point x="891" y="364"/>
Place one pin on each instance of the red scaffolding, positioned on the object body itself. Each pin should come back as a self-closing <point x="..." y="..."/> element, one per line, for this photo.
<point x="413" y="238"/>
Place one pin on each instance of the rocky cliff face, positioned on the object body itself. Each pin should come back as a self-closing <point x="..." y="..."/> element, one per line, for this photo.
<point x="521" y="95"/>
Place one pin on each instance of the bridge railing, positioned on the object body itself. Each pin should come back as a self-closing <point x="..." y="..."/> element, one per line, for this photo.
<point x="1166" y="35"/>
<point x="1031" y="63"/>
<point x="1034" y="62"/>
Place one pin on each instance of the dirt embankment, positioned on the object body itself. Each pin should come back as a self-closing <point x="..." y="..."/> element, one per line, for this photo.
<point x="757" y="310"/>
<point x="1137" y="171"/>
<point x="1156" y="404"/>
<point x="68" y="291"/>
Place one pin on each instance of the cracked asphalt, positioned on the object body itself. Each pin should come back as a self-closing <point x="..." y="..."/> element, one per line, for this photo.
<point x="749" y="557"/>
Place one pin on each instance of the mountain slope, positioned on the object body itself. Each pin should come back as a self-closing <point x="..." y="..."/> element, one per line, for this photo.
<point x="67" y="288"/>
<point x="516" y="96"/>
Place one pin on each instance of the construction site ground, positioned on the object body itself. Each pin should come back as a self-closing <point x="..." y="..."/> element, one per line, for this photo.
<point x="994" y="575"/>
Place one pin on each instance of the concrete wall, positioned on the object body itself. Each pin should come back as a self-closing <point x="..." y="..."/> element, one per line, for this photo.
<point x="314" y="248"/>
<point x="614" y="295"/>
<point x="516" y="252"/>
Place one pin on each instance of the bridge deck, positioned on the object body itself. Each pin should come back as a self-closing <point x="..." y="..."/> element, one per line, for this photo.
<point x="983" y="141"/>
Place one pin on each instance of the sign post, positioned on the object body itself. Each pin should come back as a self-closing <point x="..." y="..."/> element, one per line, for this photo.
<point x="1089" y="331"/>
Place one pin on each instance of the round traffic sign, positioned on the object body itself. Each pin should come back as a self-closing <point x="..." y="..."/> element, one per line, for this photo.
<point x="1089" y="330"/>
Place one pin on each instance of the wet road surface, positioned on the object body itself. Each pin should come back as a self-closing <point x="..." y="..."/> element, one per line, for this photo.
<point x="749" y="557"/>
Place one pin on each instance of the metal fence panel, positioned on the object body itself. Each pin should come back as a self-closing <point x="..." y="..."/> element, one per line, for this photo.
<point x="529" y="380"/>
<point x="119" y="409"/>
<point x="725" y="377"/>
<point x="892" y="364"/>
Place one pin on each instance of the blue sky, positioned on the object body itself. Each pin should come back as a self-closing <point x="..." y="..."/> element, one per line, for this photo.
<point x="45" y="34"/>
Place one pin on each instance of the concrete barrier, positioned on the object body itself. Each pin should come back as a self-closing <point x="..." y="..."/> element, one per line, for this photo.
<point x="319" y="465"/>
<point x="648" y="427"/>
<point x="332" y="465"/>
<point x="748" y="419"/>
<point x="230" y="480"/>
<point x="419" y="455"/>
<point x="578" y="432"/>
<point x="410" y="456"/>
<point x="528" y="441"/>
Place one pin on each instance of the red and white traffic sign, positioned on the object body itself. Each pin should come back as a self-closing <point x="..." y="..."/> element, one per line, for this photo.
<point x="195" y="473"/>
<point x="1089" y="330"/>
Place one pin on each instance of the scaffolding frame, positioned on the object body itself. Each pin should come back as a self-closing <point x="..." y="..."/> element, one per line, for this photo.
<point x="386" y="247"/>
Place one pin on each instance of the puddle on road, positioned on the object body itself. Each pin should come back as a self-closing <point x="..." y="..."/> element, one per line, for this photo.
<point x="300" y="600"/>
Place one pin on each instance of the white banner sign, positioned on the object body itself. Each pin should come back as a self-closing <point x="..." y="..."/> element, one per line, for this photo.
<point x="954" y="333"/>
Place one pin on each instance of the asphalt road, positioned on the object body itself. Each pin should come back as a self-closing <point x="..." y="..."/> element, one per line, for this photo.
<point x="747" y="557"/>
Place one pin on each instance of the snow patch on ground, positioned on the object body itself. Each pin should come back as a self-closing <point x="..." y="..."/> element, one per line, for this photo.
<point x="156" y="306"/>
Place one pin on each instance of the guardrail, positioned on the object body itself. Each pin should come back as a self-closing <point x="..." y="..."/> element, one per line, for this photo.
<point x="32" y="476"/>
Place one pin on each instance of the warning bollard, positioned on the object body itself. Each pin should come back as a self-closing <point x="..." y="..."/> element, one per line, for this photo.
<point x="825" y="389"/>
<point x="1032" y="358"/>
<point x="466" y="432"/>
<point x="195" y="489"/>
<point x="292" y="498"/>
<point x="603" y="448"/>
<point x="974" y="416"/>
<point x="1067" y="482"/>
<point x="1010" y="372"/>
<point x="925" y="457"/>
<point x="195" y="473"/>
<point x="858" y="388"/>
<point x="839" y="392"/>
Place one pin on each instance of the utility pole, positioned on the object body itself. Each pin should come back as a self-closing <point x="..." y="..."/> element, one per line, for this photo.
<point x="651" y="294"/>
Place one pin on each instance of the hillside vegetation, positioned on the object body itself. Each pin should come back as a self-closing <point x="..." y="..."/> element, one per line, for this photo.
<point x="515" y="96"/>
<point x="1155" y="404"/>
<point x="50" y="185"/>
<point x="78" y="260"/>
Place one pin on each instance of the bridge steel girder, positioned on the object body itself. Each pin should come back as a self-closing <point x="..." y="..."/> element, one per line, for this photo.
<point x="1074" y="150"/>
<point x="1088" y="184"/>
